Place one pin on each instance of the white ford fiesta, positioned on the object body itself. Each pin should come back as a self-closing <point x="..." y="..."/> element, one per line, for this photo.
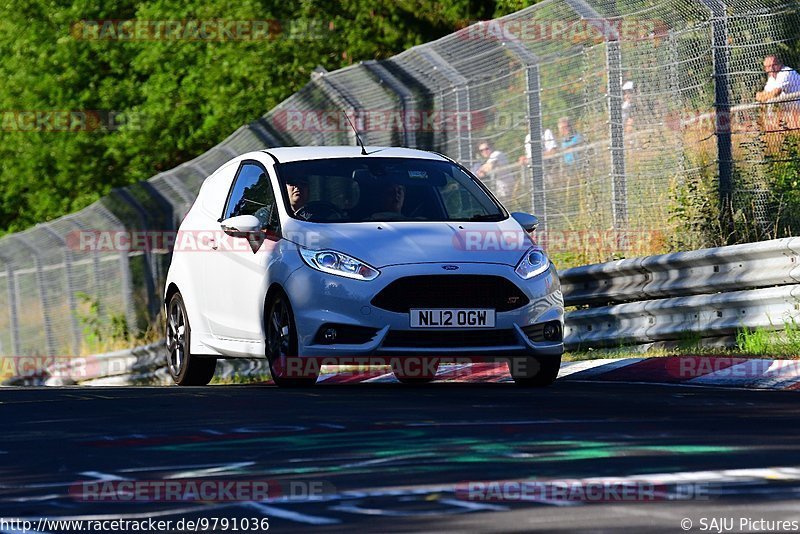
<point x="337" y="255"/>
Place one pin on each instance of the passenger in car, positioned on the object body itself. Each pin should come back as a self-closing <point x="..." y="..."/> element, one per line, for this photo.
<point x="390" y="201"/>
<point x="394" y="195"/>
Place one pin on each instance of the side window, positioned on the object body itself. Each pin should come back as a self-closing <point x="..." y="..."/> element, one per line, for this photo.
<point x="252" y="195"/>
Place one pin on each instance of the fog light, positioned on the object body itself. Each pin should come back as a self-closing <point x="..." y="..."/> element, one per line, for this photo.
<point x="329" y="335"/>
<point x="552" y="331"/>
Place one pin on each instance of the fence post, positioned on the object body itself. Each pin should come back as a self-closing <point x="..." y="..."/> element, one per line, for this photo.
<point x="13" y="317"/>
<point x="126" y="289"/>
<point x="160" y="265"/>
<point x="461" y="88"/>
<point x="50" y="342"/>
<point x="722" y="106"/>
<point x="70" y="289"/>
<point x="177" y="186"/>
<point x="405" y="97"/>
<point x="152" y="299"/>
<point x="619" y="183"/>
<point x="534" y="104"/>
<point x="260" y="127"/>
<point x="95" y="256"/>
<point x="342" y="99"/>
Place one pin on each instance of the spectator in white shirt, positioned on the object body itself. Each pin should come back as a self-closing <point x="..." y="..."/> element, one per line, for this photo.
<point x="780" y="80"/>
<point x="496" y="163"/>
<point x="628" y="106"/>
<point x="549" y="146"/>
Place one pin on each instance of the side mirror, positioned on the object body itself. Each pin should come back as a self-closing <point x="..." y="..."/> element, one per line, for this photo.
<point x="526" y="220"/>
<point x="241" y="225"/>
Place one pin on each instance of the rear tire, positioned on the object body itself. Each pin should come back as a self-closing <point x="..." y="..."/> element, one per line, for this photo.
<point x="185" y="368"/>
<point x="535" y="372"/>
<point x="282" y="346"/>
<point x="415" y="371"/>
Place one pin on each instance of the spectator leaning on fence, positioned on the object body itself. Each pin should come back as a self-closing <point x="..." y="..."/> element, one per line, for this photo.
<point x="495" y="164"/>
<point x="549" y="146"/>
<point x="569" y="139"/>
<point x="781" y="80"/>
<point x="628" y="106"/>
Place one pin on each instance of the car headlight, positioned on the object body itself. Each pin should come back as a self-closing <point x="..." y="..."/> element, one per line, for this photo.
<point x="332" y="262"/>
<point x="532" y="263"/>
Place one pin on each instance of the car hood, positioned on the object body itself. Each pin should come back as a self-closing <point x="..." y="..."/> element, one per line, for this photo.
<point x="397" y="243"/>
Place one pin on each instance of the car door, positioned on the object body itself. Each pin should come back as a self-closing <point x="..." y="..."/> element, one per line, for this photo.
<point x="236" y="267"/>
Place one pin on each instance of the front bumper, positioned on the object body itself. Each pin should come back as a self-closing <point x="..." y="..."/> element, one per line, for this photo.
<point x="318" y="298"/>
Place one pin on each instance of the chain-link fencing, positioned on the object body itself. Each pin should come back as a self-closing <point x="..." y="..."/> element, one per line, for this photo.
<point x="615" y="122"/>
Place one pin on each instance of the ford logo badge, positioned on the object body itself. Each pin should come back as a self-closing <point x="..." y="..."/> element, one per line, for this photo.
<point x="450" y="267"/>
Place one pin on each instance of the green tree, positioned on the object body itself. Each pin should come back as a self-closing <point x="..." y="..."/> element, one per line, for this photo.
<point x="186" y="96"/>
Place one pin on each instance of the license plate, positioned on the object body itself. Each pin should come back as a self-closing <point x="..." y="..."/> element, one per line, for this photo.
<point x="449" y="318"/>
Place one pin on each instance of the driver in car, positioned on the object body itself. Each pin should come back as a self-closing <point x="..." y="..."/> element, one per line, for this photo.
<point x="297" y="190"/>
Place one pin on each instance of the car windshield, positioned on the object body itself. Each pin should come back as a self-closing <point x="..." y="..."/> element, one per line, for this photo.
<point x="384" y="189"/>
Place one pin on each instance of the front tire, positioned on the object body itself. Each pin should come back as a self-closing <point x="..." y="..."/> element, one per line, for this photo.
<point x="282" y="347"/>
<point x="185" y="368"/>
<point x="533" y="371"/>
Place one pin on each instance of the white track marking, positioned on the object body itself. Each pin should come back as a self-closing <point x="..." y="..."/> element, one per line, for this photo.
<point x="273" y="511"/>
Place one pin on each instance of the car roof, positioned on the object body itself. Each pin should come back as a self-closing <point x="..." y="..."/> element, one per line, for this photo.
<point x="300" y="153"/>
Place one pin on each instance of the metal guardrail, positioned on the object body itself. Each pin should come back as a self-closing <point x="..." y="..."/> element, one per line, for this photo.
<point x="702" y="294"/>
<point x="145" y="365"/>
<point x="707" y="293"/>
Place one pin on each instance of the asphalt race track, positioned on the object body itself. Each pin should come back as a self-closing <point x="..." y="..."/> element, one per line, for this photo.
<point x="395" y="458"/>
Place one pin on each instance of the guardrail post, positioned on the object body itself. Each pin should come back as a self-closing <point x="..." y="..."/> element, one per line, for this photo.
<point x="342" y="99"/>
<point x="722" y="106"/>
<point x="50" y="342"/>
<point x="617" y="129"/>
<point x="404" y="96"/>
<point x="534" y="105"/>
<point x="13" y="317"/>
<point x="461" y="89"/>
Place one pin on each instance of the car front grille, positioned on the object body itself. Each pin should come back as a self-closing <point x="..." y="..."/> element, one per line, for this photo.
<point x="450" y="291"/>
<point x="441" y="339"/>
